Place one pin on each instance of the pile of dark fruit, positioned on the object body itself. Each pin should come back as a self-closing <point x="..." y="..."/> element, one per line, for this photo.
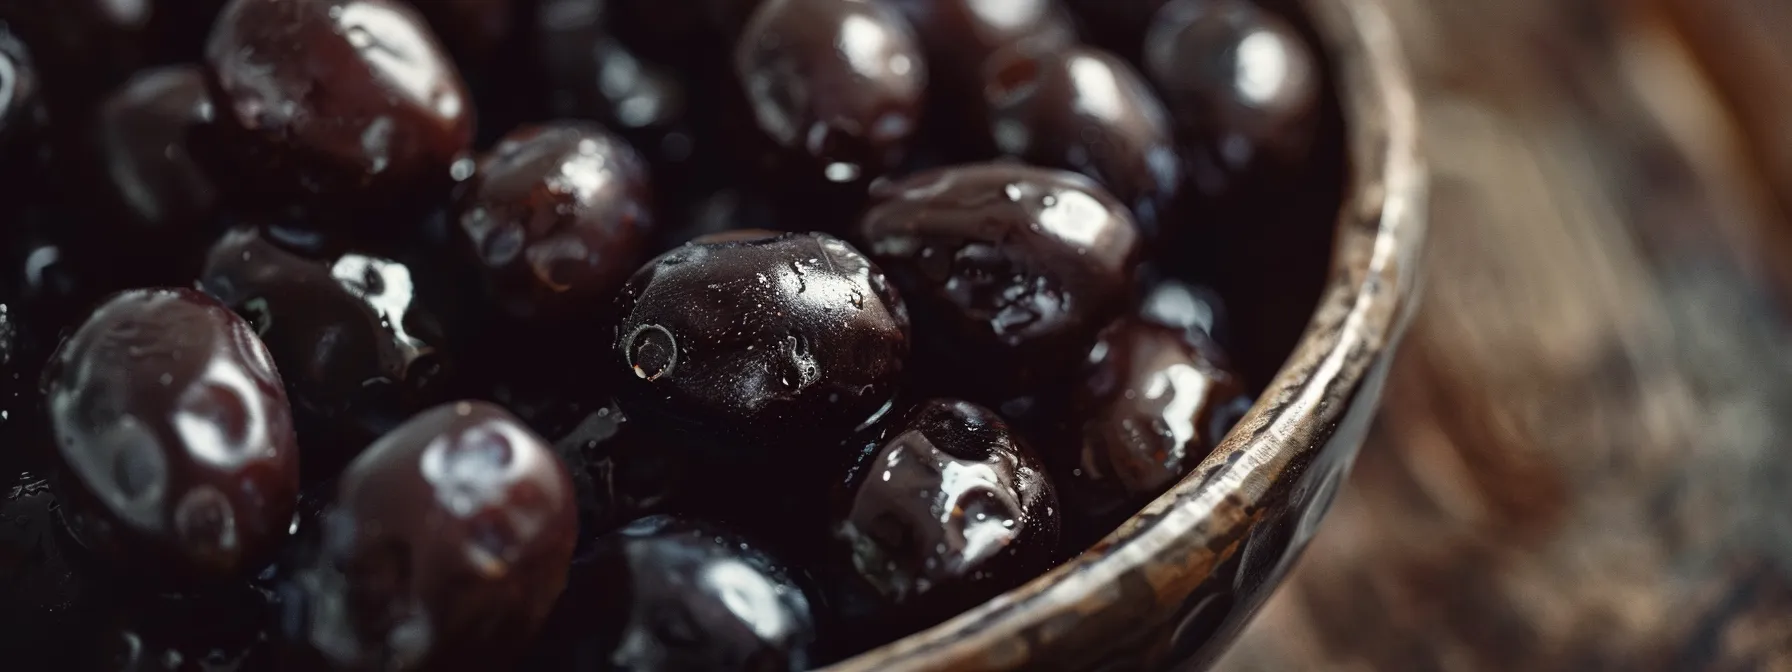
<point x="593" y="334"/>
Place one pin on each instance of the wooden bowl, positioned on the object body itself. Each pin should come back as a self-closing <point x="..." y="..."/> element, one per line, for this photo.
<point x="1175" y="583"/>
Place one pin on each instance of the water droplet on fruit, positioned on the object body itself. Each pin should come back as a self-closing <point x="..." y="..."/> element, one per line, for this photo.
<point x="651" y="351"/>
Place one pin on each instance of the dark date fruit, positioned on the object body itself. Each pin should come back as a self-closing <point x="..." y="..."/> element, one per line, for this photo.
<point x="945" y="508"/>
<point x="154" y="199"/>
<point x="445" y="548"/>
<point x="340" y="105"/>
<point x="790" y="341"/>
<point x="1085" y="110"/>
<point x="835" y="85"/>
<point x="357" y="351"/>
<point x="555" y="219"/>
<point x="668" y="593"/>
<point x="174" y="442"/>
<point x="1242" y="86"/>
<point x="1151" y="405"/>
<point x="1010" y="270"/>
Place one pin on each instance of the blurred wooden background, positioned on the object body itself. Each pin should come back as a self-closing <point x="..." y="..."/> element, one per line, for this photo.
<point x="1585" y="460"/>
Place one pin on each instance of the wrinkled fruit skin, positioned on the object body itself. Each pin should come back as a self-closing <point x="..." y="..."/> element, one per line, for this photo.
<point x="1151" y="405"/>
<point x="446" y="546"/>
<point x="174" y="442"/>
<point x="1010" y="270"/>
<point x="1242" y="86"/>
<point x="836" y="86"/>
<point x="945" y="508"/>
<point x="357" y="350"/>
<point x="555" y="220"/>
<point x="336" y="104"/>
<point x="667" y="593"/>
<point x="1039" y="97"/>
<point x="786" y="342"/>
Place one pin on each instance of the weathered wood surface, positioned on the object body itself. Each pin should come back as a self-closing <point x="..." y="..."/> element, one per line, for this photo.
<point x="1585" y="458"/>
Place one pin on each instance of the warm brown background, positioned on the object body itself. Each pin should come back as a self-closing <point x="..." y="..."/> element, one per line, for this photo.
<point x="1585" y="460"/>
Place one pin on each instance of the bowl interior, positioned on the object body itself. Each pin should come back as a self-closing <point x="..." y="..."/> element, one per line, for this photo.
<point x="1318" y="281"/>
<point x="1268" y="255"/>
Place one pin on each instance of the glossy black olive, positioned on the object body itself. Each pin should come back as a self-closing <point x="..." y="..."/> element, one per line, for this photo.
<point x="155" y="204"/>
<point x="1198" y="312"/>
<point x="21" y="105"/>
<point x="945" y="508"/>
<point x="50" y="281"/>
<point x="958" y="36"/>
<point x="174" y="441"/>
<point x="592" y="69"/>
<point x="836" y="86"/>
<point x="788" y="341"/>
<point x="620" y="470"/>
<point x="592" y="74"/>
<point x="668" y="593"/>
<point x="554" y="221"/>
<point x="1242" y="86"/>
<point x="1151" y="405"/>
<point x="357" y="351"/>
<point x="1085" y="110"/>
<point x="52" y="278"/>
<point x="82" y="48"/>
<point x="446" y="547"/>
<point x="1010" y="270"/>
<point x="47" y="288"/>
<point x="345" y="106"/>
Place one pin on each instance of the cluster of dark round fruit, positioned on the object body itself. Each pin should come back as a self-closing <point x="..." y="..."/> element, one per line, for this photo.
<point x="306" y="364"/>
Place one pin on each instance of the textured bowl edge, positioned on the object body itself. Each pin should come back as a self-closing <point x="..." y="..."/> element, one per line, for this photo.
<point x="1178" y="540"/>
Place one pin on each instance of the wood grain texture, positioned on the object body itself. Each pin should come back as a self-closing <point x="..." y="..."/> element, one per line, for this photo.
<point x="1585" y="456"/>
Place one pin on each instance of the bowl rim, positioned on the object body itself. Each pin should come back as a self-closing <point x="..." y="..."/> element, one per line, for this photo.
<point x="1179" y="539"/>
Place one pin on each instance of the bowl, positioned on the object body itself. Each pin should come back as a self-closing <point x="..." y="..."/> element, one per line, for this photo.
<point x="1179" y="580"/>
